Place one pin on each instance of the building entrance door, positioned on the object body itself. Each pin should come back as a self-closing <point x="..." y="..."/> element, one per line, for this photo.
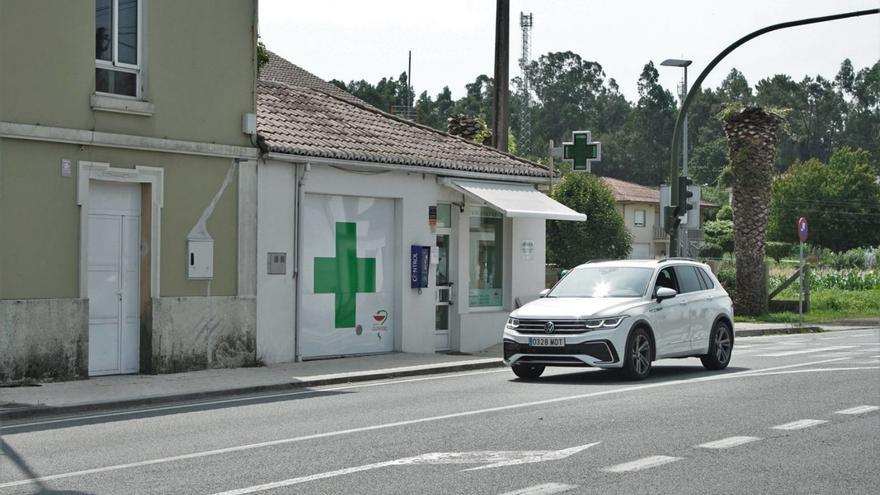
<point x="113" y="277"/>
<point x="443" y="279"/>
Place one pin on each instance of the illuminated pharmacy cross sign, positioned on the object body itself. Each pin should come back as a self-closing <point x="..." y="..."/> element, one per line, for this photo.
<point x="345" y="275"/>
<point x="582" y="151"/>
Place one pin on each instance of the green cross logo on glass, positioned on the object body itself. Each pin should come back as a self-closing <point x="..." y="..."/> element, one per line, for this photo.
<point x="582" y="151"/>
<point x="345" y="275"/>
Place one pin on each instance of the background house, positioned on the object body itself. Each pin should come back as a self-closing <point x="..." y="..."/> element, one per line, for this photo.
<point x="640" y="207"/>
<point x="127" y="183"/>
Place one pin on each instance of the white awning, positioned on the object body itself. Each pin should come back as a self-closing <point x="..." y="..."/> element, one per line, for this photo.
<point x="515" y="200"/>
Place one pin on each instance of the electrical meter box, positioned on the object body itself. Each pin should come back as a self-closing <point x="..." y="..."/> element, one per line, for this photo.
<point x="200" y="260"/>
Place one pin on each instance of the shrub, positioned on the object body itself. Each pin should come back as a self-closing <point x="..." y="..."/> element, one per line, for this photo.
<point x="724" y="213"/>
<point x="719" y="232"/>
<point x="711" y="250"/>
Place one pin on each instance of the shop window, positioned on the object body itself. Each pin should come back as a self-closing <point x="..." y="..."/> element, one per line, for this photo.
<point x="117" y="47"/>
<point x="486" y="257"/>
<point x="639" y="219"/>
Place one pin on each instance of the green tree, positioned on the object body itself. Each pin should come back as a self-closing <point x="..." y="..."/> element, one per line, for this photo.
<point x="603" y="235"/>
<point x="840" y="200"/>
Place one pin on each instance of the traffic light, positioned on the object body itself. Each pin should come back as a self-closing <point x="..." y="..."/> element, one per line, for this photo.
<point x="684" y="195"/>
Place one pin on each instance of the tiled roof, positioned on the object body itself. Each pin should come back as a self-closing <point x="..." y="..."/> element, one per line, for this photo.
<point x="281" y="70"/>
<point x="314" y="121"/>
<point x="630" y="192"/>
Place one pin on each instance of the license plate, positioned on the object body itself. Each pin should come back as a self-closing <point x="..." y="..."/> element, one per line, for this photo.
<point x="546" y="341"/>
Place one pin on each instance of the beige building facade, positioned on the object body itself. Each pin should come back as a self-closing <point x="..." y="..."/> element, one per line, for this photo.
<point x="127" y="186"/>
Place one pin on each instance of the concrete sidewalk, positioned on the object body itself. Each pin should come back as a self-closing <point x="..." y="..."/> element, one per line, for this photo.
<point x="120" y="391"/>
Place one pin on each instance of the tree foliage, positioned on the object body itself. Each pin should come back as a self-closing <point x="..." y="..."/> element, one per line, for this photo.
<point x="840" y="200"/>
<point x="602" y="236"/>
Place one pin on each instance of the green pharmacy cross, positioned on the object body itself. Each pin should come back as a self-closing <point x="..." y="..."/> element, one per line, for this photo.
<point x="345" y="275"/>
<point x="582" y="151"/>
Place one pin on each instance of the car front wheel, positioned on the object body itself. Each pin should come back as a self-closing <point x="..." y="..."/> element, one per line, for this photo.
<point x="527" y="372"/>
<point x="637" y="359"/>
<point x="720" y="347"/>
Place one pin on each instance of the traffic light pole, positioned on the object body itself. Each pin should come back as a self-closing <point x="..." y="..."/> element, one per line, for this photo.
<point x="678" y="206"/>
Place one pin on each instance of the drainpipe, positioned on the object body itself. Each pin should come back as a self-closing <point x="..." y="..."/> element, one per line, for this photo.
<point x="300" y="178"/>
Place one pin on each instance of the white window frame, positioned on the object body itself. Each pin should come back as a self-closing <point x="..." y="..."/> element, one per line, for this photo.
<point x="636" y="218"/>
<point x="115" y="64"/>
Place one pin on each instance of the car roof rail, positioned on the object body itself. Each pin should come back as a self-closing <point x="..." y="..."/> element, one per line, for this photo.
<point x="682" y="258"/>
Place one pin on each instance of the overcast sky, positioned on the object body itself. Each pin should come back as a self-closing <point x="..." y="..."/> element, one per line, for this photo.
<point x="453" y="40"/>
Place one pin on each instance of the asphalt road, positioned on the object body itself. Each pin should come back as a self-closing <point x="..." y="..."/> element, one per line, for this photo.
<point x="786" y="417"/>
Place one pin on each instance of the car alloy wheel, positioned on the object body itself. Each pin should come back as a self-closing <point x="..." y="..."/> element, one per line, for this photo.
<point x="720" y="347"/>
<point x="637" y="363"/>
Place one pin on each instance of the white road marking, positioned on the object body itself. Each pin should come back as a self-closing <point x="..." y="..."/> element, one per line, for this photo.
<point x="545" y="489"/>
<point x="383" y="426"/>
<point x="313" y="391"/>
<point x="800" y="424"/>
<point x="726" y="443"/>
<point x="858" y="410"/>
<point x="646" y="463"/>
<point x="495" y="458"/>
<point x="806" y="351"/>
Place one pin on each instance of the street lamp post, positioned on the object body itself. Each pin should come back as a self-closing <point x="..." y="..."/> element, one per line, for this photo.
<point x="674" y="62"/>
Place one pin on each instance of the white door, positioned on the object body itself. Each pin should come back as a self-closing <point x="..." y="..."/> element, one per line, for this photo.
<point x="113" y="277"/>
<point x="640" y="251"/>
<point x="348" y="284"/>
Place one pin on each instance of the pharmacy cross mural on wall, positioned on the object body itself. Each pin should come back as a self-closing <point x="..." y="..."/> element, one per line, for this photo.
<point x="346" y="275"/>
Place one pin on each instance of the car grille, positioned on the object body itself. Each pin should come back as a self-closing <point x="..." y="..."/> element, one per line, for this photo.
<point x="600" y="349"/>
<point x="560" y="326"/>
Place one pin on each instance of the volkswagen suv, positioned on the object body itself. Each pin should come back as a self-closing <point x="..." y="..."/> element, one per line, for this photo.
<point x="625" y="315"/>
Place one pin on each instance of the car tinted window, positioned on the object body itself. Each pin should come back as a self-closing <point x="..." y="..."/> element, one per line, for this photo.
<point x="666" y="279"/>
<point x="706" y="278"/>
<point x="687" y="279"/>
<point x="603" y="281"/>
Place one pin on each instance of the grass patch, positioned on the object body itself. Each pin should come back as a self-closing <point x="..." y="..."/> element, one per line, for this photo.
<point x="827" y="305"/>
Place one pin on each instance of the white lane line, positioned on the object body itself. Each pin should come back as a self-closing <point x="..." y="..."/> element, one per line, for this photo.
<point x="545" y="489"/>
<point x="726" y="443"/>
<point x="858" y="410"/>
<point x="638" y="465"/>
<point x="190" y="405"/>
<point x="383" y="426"/>
<point x="800" y="424"/>
<point x="806" y="351"/>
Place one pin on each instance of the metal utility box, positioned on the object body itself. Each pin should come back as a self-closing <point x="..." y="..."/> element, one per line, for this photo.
<point x="276" y="263"/>
<point x="200" y="260"/>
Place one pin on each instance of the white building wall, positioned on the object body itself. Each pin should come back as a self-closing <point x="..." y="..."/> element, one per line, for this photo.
<point x="471" y="329"/>
<point x="276" y="214"/>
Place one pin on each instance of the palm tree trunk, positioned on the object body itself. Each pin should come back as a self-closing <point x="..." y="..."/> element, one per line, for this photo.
<point x="751" y="140"/>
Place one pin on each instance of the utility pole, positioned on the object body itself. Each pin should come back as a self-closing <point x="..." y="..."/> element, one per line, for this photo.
<point x="525" y="122"/>
<point x="502" y="60"/>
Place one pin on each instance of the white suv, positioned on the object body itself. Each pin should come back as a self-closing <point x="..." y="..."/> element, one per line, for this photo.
<point x="623" y="314"/>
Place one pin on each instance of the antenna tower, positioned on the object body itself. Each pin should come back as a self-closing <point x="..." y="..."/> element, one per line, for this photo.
<point x="525" y="122"/>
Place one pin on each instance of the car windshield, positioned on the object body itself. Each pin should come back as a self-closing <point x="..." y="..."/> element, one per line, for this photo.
<point x="604" y="281"/>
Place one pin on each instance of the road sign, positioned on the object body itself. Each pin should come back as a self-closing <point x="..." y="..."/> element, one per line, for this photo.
<point x="582" y="151"/>
<point x="802" y="229"/>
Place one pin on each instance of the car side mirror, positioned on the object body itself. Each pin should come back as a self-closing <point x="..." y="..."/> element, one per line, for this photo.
<point x="665" y="293"/>
<point x="544" y="293"/>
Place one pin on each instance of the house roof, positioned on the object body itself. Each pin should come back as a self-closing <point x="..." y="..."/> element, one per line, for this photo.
<point x="630" y="192"/>
<point x="316" y="121"/>
<point x="281" y="70"/>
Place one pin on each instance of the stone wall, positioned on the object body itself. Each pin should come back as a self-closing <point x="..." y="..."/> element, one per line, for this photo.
<point x="191" y="333"/>
<point x="43" y="339"/>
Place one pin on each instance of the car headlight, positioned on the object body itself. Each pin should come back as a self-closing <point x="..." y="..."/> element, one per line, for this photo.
<point x="512" y="323"/>
<point x="597" y="323"/>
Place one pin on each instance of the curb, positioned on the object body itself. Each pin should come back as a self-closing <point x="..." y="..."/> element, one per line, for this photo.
<point x="777" y="331"/>
<point x="29" y="412"/>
